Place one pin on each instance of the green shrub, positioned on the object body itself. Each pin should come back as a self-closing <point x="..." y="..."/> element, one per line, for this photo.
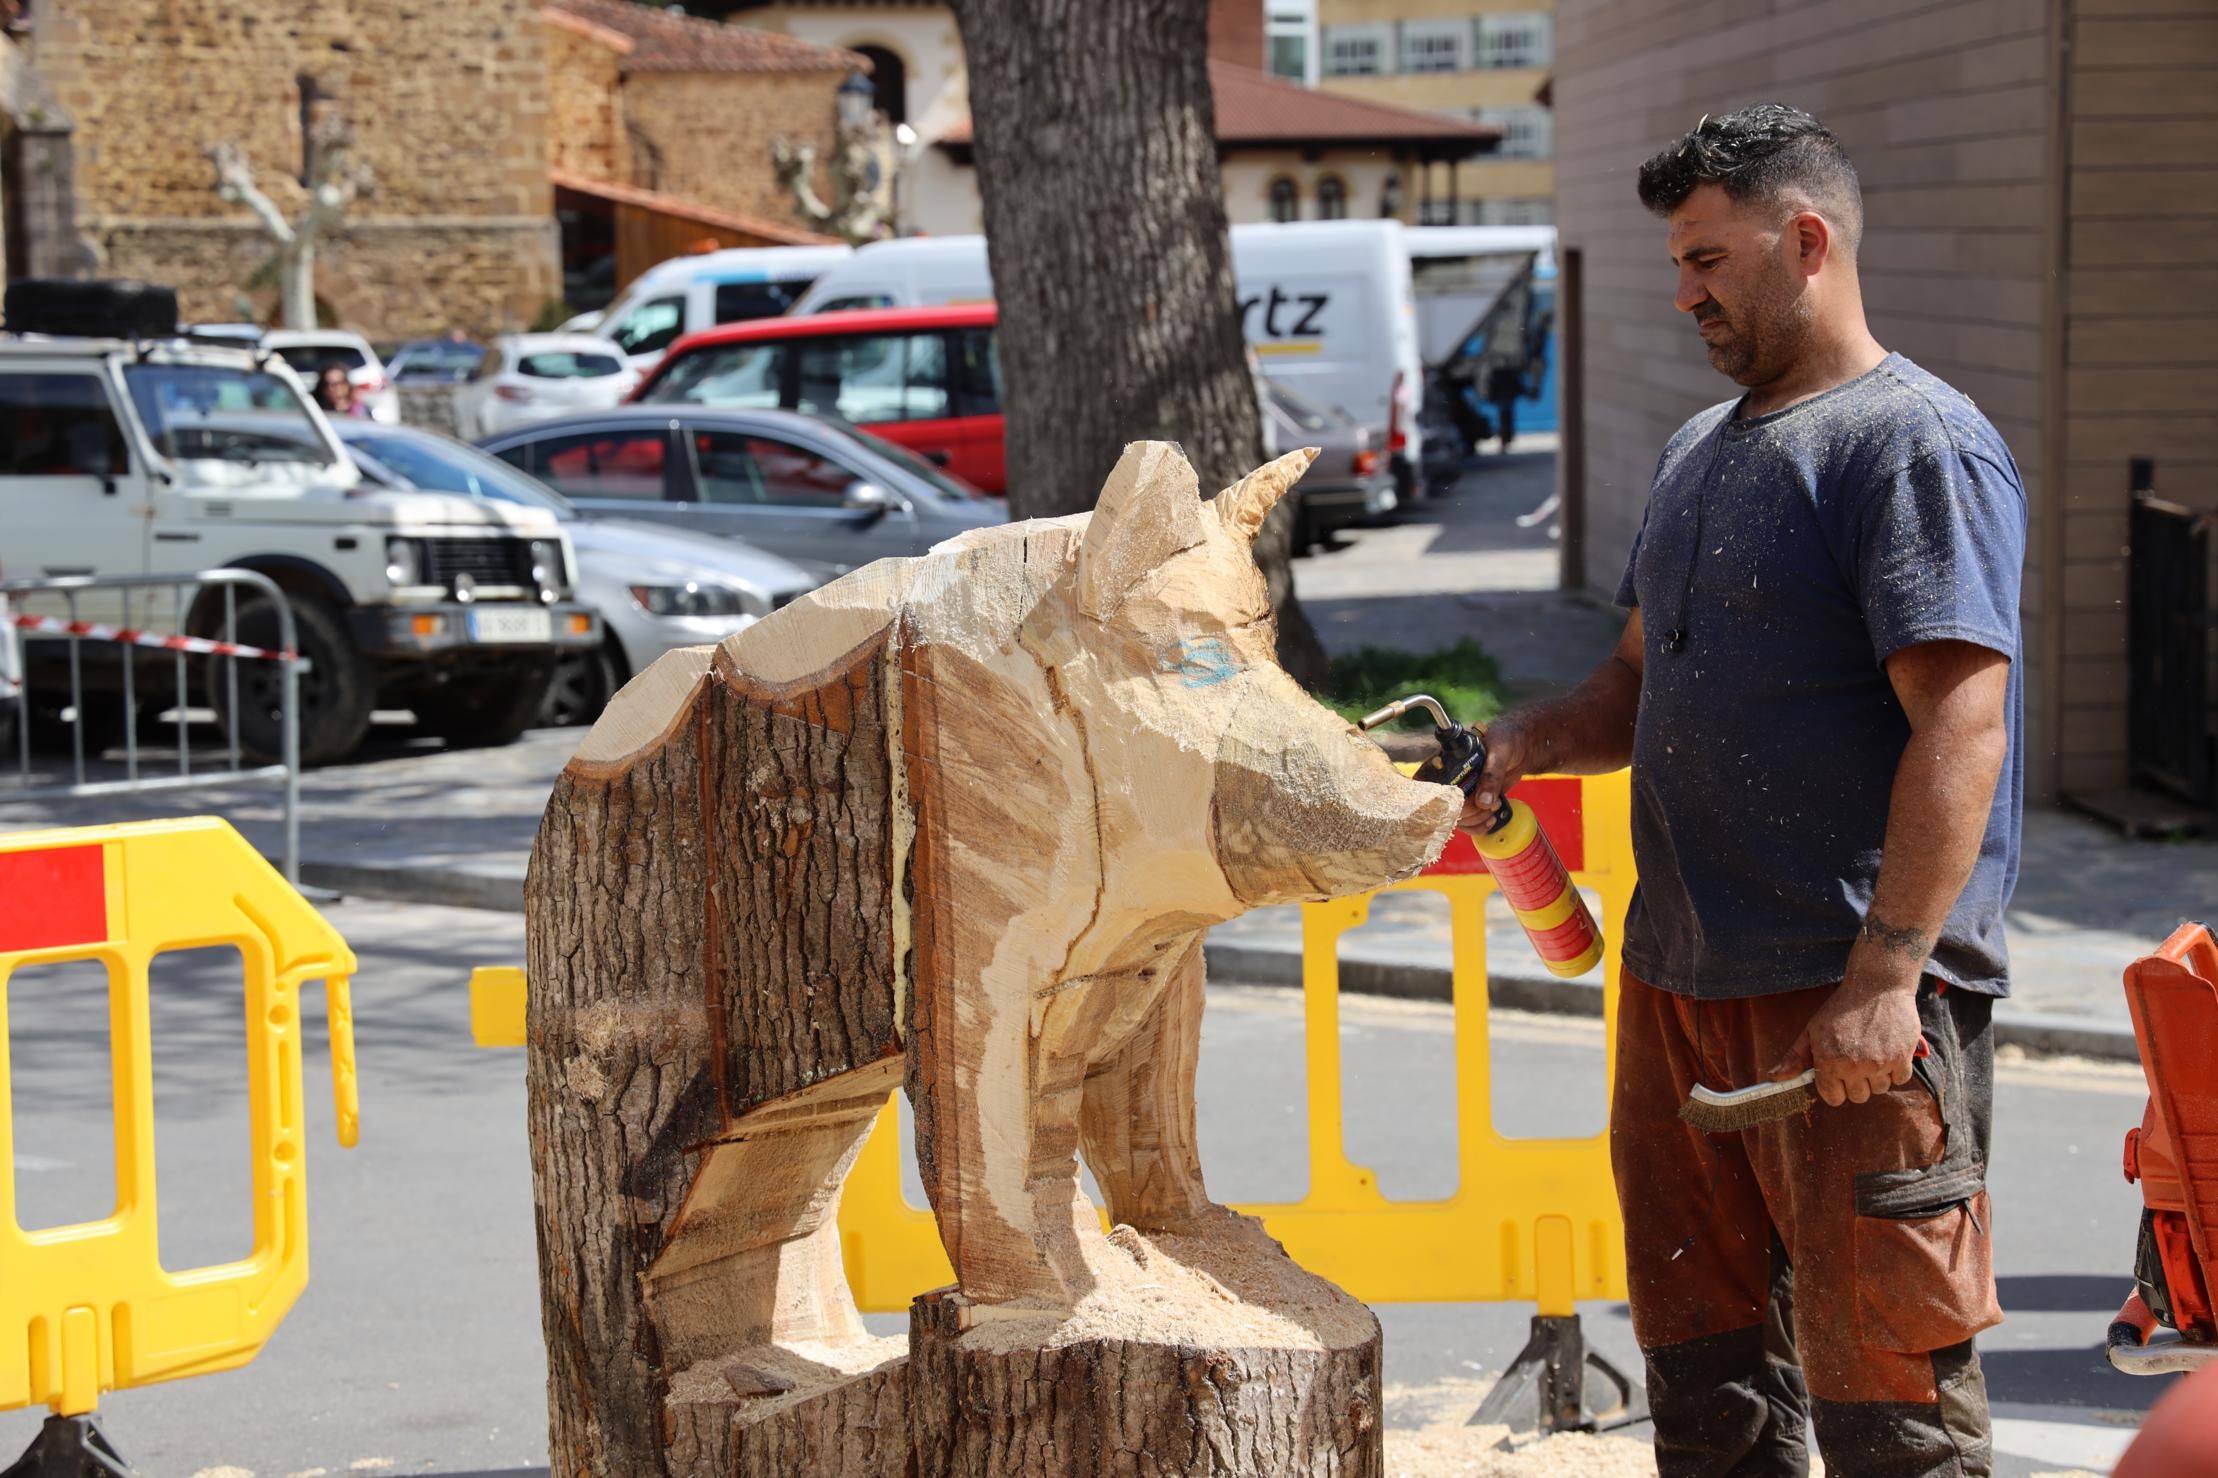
<point x="1463" y="677"/>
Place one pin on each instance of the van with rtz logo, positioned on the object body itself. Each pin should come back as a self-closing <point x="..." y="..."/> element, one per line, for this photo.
<point x="1326" y="305"/>
<point x="129" y="448"/>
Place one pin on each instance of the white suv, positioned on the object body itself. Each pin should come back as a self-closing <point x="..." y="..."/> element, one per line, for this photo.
<point x="127" y="450"/>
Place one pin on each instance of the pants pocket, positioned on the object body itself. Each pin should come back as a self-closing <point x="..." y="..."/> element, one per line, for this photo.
<point x="1925" y="1279"/>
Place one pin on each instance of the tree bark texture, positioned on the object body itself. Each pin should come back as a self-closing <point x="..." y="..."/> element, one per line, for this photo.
<point x="1128" y="1400"/>
<point x="1095" y="131"/>
<point x="706" y="936"/>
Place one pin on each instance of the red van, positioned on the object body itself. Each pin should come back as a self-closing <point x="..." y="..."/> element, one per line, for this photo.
<point x="926" y="378"/>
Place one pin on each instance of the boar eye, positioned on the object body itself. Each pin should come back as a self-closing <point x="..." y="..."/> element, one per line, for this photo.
<point x="1199" y="661"/>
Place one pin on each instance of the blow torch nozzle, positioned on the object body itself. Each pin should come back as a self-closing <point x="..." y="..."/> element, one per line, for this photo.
<point x="1400" y="706"/>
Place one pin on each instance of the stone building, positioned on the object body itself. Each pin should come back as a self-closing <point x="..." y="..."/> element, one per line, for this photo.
<point x="467" y="114"/>
<point x="2039" y="195"/>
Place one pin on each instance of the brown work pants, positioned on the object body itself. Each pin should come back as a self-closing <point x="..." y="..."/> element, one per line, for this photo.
<point x="1855" y="1238"/>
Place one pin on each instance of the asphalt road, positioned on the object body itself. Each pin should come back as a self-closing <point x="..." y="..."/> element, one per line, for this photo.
<point x="416" y="1347"/>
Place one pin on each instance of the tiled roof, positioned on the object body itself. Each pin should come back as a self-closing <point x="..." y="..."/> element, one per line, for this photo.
<point x="666" y="41"/>
<point x="776" y="233"/>
<point x="1258" y="110"/>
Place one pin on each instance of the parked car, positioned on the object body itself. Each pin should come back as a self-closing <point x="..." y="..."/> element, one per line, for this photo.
<point x="687" y="294"/>
<point x="309" y="350"/>
<point x="828" y="496"/>
<point x="655" y="590"/>
<point x="928" y="379"/>
<point x="529" y="377"/>
<point x="432" y="361"/>
<point x="1349" y="482"/>
<point x="127" y="449"/>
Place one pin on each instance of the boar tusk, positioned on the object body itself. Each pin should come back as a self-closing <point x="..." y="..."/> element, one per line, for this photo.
<point x="1247" y="503"/>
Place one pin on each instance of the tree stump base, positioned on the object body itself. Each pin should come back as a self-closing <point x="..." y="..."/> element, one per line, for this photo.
<point x="828" y="1411"/>
<point x="1202" y="1352"/>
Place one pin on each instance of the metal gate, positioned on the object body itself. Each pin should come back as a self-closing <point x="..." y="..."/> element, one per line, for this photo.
<point x="28" y="608"/>
<point x="2168" y="728"/>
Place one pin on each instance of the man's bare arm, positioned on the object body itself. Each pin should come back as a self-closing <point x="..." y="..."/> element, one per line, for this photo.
<point x="1588" y="731"/>
<point x="1956" y="696"/>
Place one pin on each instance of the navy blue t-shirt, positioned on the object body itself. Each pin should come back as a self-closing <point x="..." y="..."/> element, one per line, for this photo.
<point x="1782" y="560"/>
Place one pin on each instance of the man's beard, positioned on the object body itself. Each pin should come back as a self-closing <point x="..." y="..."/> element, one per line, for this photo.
<point x="1761" y="341"/>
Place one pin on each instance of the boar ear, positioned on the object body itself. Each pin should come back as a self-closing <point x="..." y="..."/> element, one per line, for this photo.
<point x="1248" y="502"/>
<point x="1150" y="509"/>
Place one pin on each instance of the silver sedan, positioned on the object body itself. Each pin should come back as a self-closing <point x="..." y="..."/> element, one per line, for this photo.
<point x="655" y="590"/>
<point x="826" y="494"/>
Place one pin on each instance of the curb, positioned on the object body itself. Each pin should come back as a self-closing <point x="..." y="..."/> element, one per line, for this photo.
<point x="2046" y="1034"/>
<point x="2042" y="1033"/>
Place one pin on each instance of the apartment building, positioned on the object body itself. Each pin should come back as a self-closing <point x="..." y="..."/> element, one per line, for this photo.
<point x="1480" y="61"/>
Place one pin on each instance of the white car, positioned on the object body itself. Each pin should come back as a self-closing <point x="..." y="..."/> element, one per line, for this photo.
<point x="529" y="377"/>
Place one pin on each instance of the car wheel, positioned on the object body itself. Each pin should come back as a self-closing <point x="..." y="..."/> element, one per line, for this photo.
<point x="487" y="711"/>
<point x="583" y="684"/>
<point x="337" y="690"/>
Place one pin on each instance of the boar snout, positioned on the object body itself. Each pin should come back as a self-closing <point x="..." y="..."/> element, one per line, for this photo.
<point x="1322" y="815"/>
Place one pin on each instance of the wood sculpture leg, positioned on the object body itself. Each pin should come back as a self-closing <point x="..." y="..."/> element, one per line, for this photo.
<point x="1193" y="1341"/>
<point x="971" y="1081"/>
<point x="773" y="1372"/>
<point x="1138" y="1119"/>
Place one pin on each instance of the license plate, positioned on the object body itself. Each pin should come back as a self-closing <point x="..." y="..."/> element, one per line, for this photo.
<point x="511" y="626"/>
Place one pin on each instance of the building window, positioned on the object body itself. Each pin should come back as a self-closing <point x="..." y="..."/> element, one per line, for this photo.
<point x="889" y="83"/>
<point x="1292" y="30"/>
<point x="1432" y="46"/>
<point x="1355" y="51"/>
<point x="1286" y="200"/>
<point x="1528" y="131"/>
<point x="1332" y="198"/>
<point x="1523" y="39"/>
<point x="1436" y="212"/>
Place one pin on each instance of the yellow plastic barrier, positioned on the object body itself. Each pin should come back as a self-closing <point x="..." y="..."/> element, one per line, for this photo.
<point x="89" y="1308"/>
<point x="1531" y="1219"/>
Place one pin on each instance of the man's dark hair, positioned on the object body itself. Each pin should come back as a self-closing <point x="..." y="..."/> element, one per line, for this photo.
<point x="1767" y="152"/>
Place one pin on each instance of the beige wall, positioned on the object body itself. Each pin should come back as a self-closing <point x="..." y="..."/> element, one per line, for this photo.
<point x="1947" y="111"/>
<point x="2141" y="329"/>
<point x="449" y="105"/>
<point x="1248" y="179"/>
<point x="706" y="135"/>
<point x="585" y="105"/>
<point x="938" y="196"/>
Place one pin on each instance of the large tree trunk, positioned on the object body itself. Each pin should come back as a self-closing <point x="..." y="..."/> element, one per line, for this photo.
<point x="1105" y="223"/>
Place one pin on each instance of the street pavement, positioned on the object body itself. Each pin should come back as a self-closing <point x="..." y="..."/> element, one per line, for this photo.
<point x="416" y="1347"/>
<point x="413" y="822"/>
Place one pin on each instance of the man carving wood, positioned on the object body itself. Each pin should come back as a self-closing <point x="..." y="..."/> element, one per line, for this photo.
<point x="959" y="821"/>
<point x="1818" y="694"/>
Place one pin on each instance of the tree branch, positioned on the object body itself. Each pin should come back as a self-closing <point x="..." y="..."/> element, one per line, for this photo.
<point x="235" y="182"/>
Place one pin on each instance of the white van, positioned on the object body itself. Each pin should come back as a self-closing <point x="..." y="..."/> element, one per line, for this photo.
<point x="687" y="294"/>
<point x="1326" y="305"/>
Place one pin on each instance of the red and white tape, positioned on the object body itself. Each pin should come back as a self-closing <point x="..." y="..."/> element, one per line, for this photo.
<point x="198" y="646"/>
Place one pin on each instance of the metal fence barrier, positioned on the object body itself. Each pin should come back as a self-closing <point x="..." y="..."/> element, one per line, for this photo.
<point x="107" y="595"/>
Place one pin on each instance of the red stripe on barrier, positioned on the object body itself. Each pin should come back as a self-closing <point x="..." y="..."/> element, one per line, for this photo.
<point x="52" y="897"/>
<point x="94" y="631"/>
<point x="1558" y="805"/>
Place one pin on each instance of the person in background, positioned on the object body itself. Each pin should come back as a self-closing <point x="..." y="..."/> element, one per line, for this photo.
<point x="335" y="392"/>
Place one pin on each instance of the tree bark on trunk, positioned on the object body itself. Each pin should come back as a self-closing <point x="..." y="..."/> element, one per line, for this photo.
<point x="697" y="1094"/>
<point x="1105" y="225"/>
<point x="1246" y="1365"/>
